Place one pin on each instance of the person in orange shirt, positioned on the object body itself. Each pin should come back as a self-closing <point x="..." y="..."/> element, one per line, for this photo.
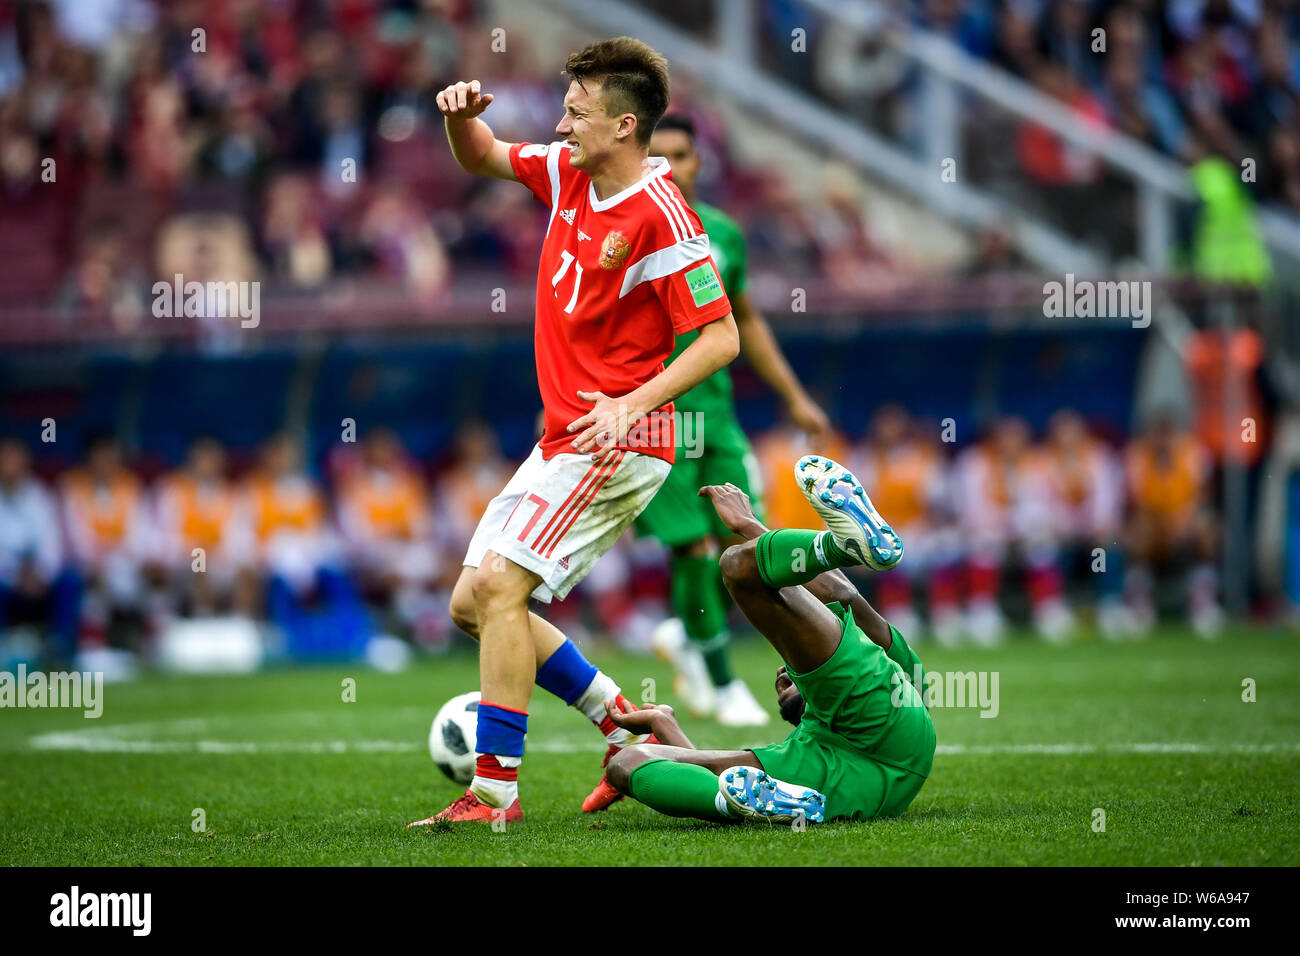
<point x="906" y="474"/>
<point x="477" y="473"/>
<point x="1004" y="504"/>
<point x="388" y="533"/>
<point x="308" y="594"/>
<point x="201" y="541"/>
<point x="1224" y="368"/>
<point x="110" y="542"/>
<point x="1233" y="422"/>
<point x="1172" y="527"/>
<point x="1086" y="484"/>
<point x="285" y="511"/>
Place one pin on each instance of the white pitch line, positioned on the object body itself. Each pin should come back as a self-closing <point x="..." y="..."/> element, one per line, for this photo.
<point x="88" y="743"/>
<point x="992" y="750"/>
<point x="104" y="742"/>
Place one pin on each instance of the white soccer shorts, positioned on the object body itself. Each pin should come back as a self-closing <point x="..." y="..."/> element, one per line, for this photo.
<point x="557" y="516"/>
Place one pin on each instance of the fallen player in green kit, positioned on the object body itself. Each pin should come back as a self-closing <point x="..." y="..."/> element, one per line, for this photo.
<point x="863" y="742"/>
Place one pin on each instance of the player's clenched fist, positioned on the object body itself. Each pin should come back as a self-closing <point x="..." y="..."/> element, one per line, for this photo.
<point x="463" y="100"/>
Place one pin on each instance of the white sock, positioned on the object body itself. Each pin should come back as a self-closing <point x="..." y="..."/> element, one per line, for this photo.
<point x="724" y="807"/>
<point x="497" y="793"/>
<point x="592" y="705"/>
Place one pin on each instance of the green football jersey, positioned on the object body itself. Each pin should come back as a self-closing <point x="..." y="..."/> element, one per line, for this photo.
<point x="727" y="244"/>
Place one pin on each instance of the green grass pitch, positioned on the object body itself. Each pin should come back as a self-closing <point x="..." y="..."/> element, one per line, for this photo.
<point x="1155" y="734"/>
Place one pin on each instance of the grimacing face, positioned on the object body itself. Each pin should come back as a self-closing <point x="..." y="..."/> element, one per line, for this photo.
<point x="590" y="133"/>
<point x="675" y="145"/>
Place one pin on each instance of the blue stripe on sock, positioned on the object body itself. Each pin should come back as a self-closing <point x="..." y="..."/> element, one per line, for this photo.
<point x="500" y="732"/>
<point x="566" y="673"/>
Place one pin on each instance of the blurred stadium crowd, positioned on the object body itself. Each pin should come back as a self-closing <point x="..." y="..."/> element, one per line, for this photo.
<point x="1211" y="83"/>
<point x="104" y="556"/>
<point x="231" y="163"/>
<point x="1188" y="77"/>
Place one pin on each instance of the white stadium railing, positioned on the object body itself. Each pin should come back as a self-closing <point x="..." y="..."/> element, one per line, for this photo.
<point x="950" y="76"/>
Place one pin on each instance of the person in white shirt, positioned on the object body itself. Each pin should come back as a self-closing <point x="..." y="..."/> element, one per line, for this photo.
<point x="32" y="587"/>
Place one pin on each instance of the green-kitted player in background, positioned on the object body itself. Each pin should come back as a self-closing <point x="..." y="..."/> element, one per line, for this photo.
<point x="696" y="641"/>
<point x="863" y="742"/>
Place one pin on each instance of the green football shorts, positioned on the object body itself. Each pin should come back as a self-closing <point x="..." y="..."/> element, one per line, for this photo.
<point x="677" y="515"/>
<point x="866" y="740"/>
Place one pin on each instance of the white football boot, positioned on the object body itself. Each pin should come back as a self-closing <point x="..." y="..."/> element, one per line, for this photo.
<point x="753" y="793"/>
<point x="737" y="707"/>
<point x="854" y="522"/>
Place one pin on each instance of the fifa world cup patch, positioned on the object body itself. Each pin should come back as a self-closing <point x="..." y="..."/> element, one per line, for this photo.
<point x="704" y="285"/>
<point x="615" y="250"/>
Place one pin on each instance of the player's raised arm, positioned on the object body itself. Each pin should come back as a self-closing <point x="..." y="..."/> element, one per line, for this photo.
<point x="472" y="142"/>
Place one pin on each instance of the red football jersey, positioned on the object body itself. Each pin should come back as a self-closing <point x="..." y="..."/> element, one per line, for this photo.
<point x="618" y="280"/>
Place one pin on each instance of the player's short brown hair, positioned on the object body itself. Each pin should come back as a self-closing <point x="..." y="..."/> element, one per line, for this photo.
<point x="633" y="76"/>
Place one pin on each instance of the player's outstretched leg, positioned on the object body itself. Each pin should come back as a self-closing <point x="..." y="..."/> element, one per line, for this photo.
<point x="788" y="557"/>
<point x="782" y="581"/>
<point x="723" y="786"/>
<point x="676" y="781"/>
<point x="565" y="672"/>
<point x="507" y="666"/>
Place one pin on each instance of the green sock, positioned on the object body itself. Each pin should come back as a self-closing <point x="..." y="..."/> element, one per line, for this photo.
<point x="678" y="789"/>
<point x="718" y="660"/>
<point x="791" y="556"/>
<point x="704" y="615"/>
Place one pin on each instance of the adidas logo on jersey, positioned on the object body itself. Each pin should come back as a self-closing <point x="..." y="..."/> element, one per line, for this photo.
<point x="567" y="215"/>
<point x="582" y="235"/>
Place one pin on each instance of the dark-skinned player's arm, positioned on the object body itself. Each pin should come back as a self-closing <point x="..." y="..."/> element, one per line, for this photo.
<point x="471" y="139"/>
<point x="610" y="419"/>
<point x="736" y="511"/>
<point x="657" y="719"/>
<point x="763" y="352"/>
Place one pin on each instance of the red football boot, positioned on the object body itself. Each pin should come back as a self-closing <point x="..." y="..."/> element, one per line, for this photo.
<point x="469" y="809"/>
<point x="605" y="796"/>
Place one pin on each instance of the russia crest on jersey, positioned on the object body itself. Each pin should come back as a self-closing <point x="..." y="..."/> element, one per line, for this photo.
<point x="614" y="250"/>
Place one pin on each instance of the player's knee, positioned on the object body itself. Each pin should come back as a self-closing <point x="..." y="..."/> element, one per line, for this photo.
<point x="494" y="586"/>
<point x="738" y="564"/>
<point x="619" y="771"/>
<point x="463" y="613"/>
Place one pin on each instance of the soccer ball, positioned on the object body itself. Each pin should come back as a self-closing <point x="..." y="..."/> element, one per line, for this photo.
<point x="452" y="737"/>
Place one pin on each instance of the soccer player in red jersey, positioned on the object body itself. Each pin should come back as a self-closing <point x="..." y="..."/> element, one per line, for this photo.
<point x="624" y="269"/>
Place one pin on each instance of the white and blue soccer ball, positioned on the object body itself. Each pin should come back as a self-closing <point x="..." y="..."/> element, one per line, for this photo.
<point x="453" y="736"/>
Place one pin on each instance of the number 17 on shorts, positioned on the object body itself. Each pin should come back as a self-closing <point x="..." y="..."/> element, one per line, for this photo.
<point x="557" y="516"/>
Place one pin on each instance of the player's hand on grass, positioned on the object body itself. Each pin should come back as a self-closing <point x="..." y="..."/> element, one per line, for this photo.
<point x="734" y="509"/>
<point x="604" y="427"/>
<point x="463" y="100"/>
